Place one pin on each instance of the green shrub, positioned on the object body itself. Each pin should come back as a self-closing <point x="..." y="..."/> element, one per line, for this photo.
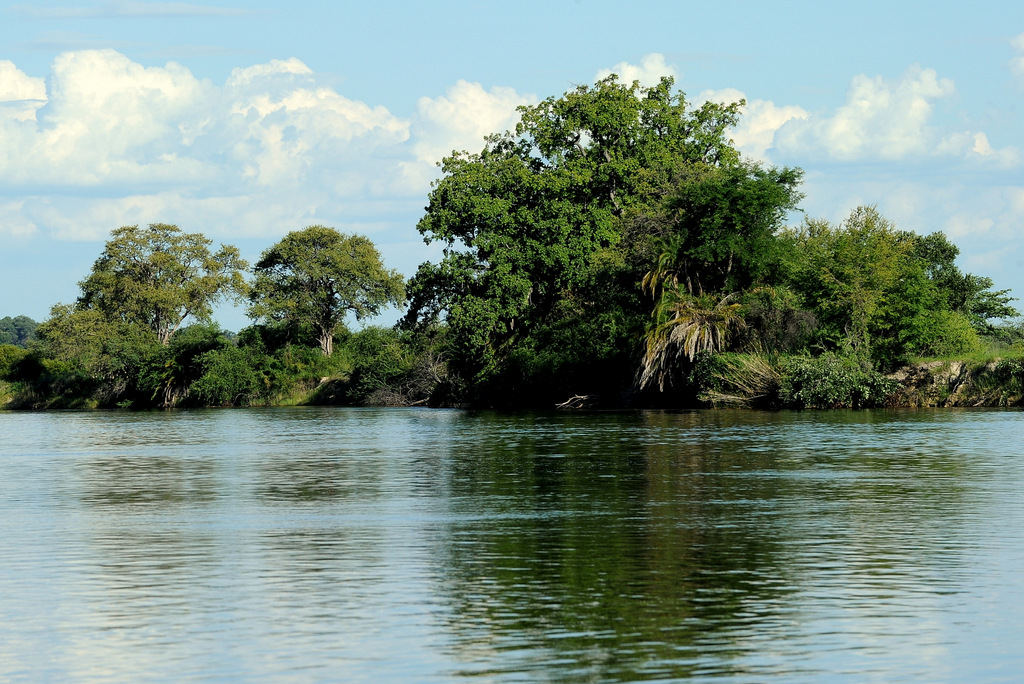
<point x="833" y="381"/>
<point x="952" y="335"/>
<point x="775" y="321"/>
<point x="381" y="360"/>
<point x="1006" y="381"/>
<point x="10" y="358"/>
<point x="229" y="378"/>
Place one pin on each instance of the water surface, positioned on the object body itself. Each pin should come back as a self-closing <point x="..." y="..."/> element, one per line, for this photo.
<point x="420" y="545"/>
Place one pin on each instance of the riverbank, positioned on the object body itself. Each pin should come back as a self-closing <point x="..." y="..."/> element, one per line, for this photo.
<point x="997" y="382"/>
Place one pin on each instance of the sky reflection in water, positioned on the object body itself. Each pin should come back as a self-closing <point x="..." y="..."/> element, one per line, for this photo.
<point x="387" y="545"/>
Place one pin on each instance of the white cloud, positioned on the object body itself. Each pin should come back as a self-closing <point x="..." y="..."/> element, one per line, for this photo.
<point x="888" y="121"/>
<point x="761" y="119"/>
<point x="978" y="147"/>
<point x="649" y="72"/>
<point x="267" y="151"/>
<point x="20" y="94"/>
<point x="224" y="216"/>
<point x="463" y="117"/>
<point x="963" y="225"/>
<point x="1017" y="63"/>
<point x="13" y="222"/>
<point x="16" y="85"/>
<point x="132" y="143"/>
<point x="107" y="120"/>
<point x="244" y="76"/>
<point x="880" y="119"/>
<point x="282" y="127"/>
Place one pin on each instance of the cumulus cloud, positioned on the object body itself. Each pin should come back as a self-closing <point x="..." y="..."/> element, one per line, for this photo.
<point x="940" y="202"/>
<point x="880" y="119"/>
<point x="282" y="127"/>
<point x="132" y="143"/>
<point x="104" y="141"/>
<point x="110" y="119"/>
<point x="20" y="94"/>
<point x="224" y="216"/>
<point x="761" y="119"/>
<point x="963" y="224"/>
<point x="245" y="76"/>
<point x="649" y="72"/>
<point x="884" y="120"/>
<point x="462" y="117"/>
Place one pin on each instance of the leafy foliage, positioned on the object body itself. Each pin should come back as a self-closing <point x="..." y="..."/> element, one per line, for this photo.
<point x="229" y="378"/>
<point x="687" y="326"/>
<point x="381" y="361"/>
<point x="559" y="238"/>
<point x="174" y="370"/>
<point x="887" y="293"/>
<point x="550" y="222"/>
<point x="317" y="276"/>
<point x="775" y="321"/>
<point x="852" y="275"/>
<point x="951" y="334"/>
<point x="833" y="381"/>
<point x="717" y="227"/>
<point x="18" y="331"/>
<point x="11" y="357"/>
<point x="159" y="276"/>
<point x="962" y="293"/>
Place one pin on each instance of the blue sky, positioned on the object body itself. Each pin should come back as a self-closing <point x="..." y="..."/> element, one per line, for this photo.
<point x="246" y="120"/>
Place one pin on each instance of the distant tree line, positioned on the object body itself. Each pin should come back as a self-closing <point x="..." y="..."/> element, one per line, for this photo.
<point x="615" y="249"/>
<point x="18" y="331"/>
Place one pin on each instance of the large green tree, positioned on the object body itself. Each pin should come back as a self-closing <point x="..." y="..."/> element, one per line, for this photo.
<point x="158" y="277"/>
<point x="852" y="274"/>
<point x="716" y="229"/>
<point x="317" y="276"/>
<point x="964" y="293"/>
<point x="886" y="292"/>
<point x="551" y="221"/>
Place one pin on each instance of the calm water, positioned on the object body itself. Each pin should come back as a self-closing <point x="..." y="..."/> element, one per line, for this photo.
<point x="418" y="545"/>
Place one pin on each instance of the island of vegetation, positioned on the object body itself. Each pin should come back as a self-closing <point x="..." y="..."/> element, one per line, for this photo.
<point x="614" y="250"/>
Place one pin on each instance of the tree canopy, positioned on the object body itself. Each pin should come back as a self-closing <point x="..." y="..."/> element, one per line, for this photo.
<point x="614" y="249"/>
<point x="159" y="276"/>
<point x="887" y="292"/>
<point x="317" y="276"/>
<point x="551" y="227"/>
<point x="18" y="331"/>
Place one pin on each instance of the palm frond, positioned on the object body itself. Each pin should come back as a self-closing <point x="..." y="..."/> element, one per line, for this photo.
<point x="685" y="326"/>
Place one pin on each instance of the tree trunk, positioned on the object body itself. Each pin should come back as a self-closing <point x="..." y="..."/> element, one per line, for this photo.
<point x="326" y="341"/>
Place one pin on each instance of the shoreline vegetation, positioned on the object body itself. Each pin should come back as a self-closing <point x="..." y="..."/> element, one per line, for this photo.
<point x="614" y="251"/>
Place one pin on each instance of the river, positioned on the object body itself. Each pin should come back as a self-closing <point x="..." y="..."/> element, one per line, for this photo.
<point x="386" y="545"/>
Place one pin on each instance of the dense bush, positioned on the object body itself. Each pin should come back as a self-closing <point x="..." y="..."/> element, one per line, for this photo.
<point x="952" y="335"/>
<point x="229" y="378"/>
<point x="775" y="321"/>
<point x="833" y="381"/>
<point x="381" y="361"/>
<point x="738" y="379"/>
<point x="10" y="357"/>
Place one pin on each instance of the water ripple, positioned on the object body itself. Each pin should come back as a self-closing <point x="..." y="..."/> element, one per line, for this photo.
<point x="416" y="545"/>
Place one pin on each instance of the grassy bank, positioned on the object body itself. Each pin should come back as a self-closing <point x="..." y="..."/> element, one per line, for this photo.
<point x="837" y="381"/>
